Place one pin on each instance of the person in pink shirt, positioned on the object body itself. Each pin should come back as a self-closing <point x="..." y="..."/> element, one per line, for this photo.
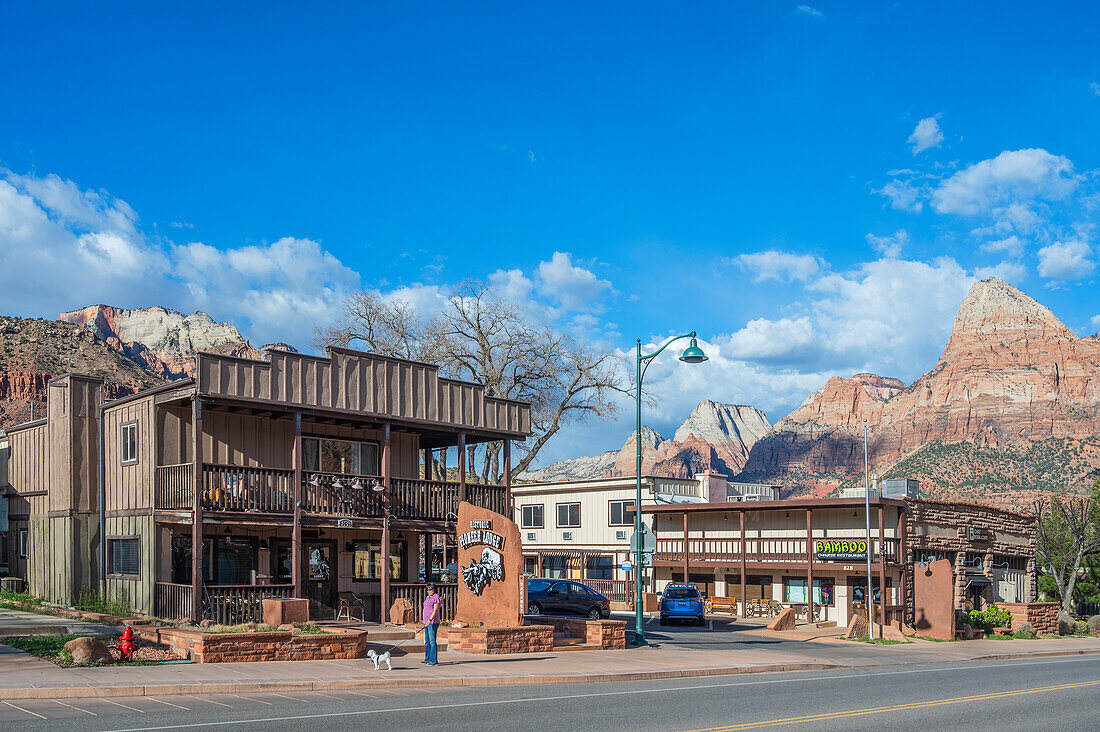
<point x="431" y="613"/>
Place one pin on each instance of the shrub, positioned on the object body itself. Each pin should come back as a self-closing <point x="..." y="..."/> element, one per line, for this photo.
<point x="1080" y="628"/>
<point x="93" y="602"/>
<point x="1026" y="630"/>
<point x="990" y="618"/>
<point x="1094" y="625"/>
<point x="1065" y="624"/>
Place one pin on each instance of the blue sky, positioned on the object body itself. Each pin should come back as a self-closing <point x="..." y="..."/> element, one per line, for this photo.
<point x="813" y="188"/>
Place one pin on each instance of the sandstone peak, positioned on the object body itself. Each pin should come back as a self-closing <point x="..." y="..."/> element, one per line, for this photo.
<point x="720" y="423"/>
<point x="995" y="309"/>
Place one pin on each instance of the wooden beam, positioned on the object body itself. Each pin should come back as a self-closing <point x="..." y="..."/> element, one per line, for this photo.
<point x="744" y="590"/>
<point x="882" y="566"/>
<point x="903" y="560"/>
<point x="387" y="456"/>
<point x="686" y="575"/>
<point x="298" y="491"/>
<point x="196" y="510"/>
<point x="809" y="566"/>
<point x="507" y="457"/>
<point x="461" y="466"/>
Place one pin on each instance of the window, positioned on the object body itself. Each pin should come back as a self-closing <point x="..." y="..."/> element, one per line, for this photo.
<point x="3" y="549"/>
<point x="794" y="589"/>
<point x="22" y="543"/>
<point x="349" y="457"/>
<point x="530" y="566"/>
<point x="620" y="513"/>
<point x="554" y="567"/>
<point x="600" y="567"/>
<point x="367" y="560"/>
<point x="128" y="443"/>
<point x="531" y="517"/>
<point x="569" y="515"/>
<point x="124" y="556"/>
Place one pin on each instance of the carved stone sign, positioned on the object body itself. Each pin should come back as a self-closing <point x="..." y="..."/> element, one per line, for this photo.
<point x="490" y="560"/>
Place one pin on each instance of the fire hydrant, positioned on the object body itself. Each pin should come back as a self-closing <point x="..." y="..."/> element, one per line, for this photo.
<point x="126" y="647"/>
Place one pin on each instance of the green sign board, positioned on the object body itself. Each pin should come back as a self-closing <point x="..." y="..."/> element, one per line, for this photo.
<point x="840" y="550"/>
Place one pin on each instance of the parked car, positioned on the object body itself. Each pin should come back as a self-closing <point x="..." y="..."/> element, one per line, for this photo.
<point x="565" y="597"/>
<point x="682" y="602"/>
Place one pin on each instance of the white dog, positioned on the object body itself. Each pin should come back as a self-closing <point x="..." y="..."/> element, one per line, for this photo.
<point x="380" y="658"/>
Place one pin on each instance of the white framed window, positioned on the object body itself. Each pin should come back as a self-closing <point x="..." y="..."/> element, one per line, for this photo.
<point x="347" y="457"/>
<point x="530" y="516"/>
<point x="128" y="443"/>
<point x="569" y="515"/>
<point x="124" y="556"/>
<point x="22" y="543"/>
<point x="620" y="513"/>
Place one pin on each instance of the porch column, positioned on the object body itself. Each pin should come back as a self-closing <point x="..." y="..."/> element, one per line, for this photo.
<point x="507" y="456"/>
<point x="461" y="466"/>
<point x="744" y="590"/>
<point x="386" y="460"/>
<point x="809" y="566"/>
<point x="426" y="454"/>
<point x="882" y="565"/>
<point x="685" y="547"/>
<point x="903" y="560"/>
<point x="296" y="530"/>
<point x="196" y="510"/>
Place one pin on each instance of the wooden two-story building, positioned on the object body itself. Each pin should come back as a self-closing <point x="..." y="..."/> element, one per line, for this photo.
<point x="298" y="476"/>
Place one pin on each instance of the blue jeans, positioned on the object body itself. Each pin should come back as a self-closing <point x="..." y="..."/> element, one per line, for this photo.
<point x="430" y="648"/>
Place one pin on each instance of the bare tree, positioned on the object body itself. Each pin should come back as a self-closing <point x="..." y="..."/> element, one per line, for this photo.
<point x="1067" y="529"/>
<point x="481" y="337"/>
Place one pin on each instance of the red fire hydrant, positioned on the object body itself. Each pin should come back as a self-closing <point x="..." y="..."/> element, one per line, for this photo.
<point x="126" y="647"/>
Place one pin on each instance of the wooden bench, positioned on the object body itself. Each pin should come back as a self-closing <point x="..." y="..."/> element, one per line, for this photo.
<point x="722" y="605"/>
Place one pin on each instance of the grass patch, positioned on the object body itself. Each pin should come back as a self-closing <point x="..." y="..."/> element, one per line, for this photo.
<point x="93" y="602"/>
<point x="307" y="628"/>
<point x="52" y="648"/>
<point x="879" y="641"/>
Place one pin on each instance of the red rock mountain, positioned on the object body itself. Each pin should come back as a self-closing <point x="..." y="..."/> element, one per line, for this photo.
<point x="1012" y="379"/>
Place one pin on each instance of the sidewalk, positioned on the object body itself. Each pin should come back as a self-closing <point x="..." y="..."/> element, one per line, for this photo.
<point x="23" y="676"/>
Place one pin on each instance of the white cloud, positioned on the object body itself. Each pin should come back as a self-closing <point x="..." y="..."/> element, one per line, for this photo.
<point x="903" y="195"/>
<point x="1013" y="177"/>
<point x="1066" y="260"/>
<point x="1094" y="323"/>
<point x="1012" y="246"/>
<point x="1012" y="272"/>
<point x="1095" y="88"/>
<point x="926" y="134"/>
<point x="574" y="288"/>
<point x="889" y="246"/>
<point x="808" y="10"/>
<point x="776" y="265"/>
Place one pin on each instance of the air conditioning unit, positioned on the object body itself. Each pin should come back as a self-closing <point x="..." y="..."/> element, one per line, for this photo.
<point x="620" y="535"/>
<point x="530" y="536"/>
<point x="567" y="536"/>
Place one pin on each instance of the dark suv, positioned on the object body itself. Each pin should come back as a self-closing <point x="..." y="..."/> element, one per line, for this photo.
<point x="565" y="597"/>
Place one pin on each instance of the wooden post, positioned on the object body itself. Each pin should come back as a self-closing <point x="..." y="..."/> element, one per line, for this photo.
<point x="386" y="458"/>
<point x="196" y="510"/>
<point x="809" y="566"/>
<point x="508" y="502"/>
<point x="461" y="466"/>
<point x="744" y="589"/>
<point x="686" y="581"/>
<point x="296" y="530"/>
<point x="903" y="560"/>
<point x="426" y="454"/>
<point x="882" y="565"/>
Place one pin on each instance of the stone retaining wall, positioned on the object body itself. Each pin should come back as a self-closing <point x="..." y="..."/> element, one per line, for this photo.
<point x="267" y="646"/>
<point x="1043" y="616"/>
<point x="602" y="634"/>
<point x="527" y="639"/>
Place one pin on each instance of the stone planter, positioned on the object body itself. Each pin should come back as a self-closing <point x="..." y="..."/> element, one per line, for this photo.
<point x="267" y="646"/>
<point x="525" y="639"/>
<point x="601" y="634"/>
<point x="1043" y="616"/>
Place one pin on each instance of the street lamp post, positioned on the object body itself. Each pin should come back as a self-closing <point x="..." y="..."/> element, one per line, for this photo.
<point x="692" y="354"/>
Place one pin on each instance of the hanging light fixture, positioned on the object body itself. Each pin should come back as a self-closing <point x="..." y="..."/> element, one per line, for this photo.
<point x="357" y="484"/>
<point x="337" y="484"/>
<point x="314" y="482"/>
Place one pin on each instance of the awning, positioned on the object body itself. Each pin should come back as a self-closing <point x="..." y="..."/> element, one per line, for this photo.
<point x="977" y="580"/>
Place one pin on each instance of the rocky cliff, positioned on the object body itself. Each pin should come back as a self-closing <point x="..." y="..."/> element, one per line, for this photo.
<point x="33" y="351"/>
<point x="1011" y="374"/>
<point x="162" y="340"/>
<point x="715" y="436"/>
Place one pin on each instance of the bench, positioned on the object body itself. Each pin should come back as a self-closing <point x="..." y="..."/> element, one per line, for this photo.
<point x="722" y="605"/>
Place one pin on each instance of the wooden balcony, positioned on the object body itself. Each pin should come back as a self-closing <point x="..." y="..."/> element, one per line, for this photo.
<point x="761" y="551"/>
<point x="240" y="489"/>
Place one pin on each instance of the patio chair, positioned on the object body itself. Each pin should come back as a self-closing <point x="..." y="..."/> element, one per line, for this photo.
<point x="351" y="605"/>
<point x="775" y="608"/>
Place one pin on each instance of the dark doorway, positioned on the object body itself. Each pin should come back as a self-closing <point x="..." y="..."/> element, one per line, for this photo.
<point x="319" y="571"/>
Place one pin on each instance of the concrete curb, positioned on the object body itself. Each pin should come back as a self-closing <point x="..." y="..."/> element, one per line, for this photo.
<point x="220" y="687"/>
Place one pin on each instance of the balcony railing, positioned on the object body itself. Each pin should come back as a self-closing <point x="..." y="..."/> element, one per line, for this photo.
<point x="416" y="592"/>
<point x="271" y="490"/>
<point x="172" y="601"/>
<point x="756" y="550"/>
<point x="232" y="604"/>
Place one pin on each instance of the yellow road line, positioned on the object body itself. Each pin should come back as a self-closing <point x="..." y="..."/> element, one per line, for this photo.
<point x="895" y="708"/>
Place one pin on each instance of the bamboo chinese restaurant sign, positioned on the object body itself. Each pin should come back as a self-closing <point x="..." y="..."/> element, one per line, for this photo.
<point x="840" y="550"/>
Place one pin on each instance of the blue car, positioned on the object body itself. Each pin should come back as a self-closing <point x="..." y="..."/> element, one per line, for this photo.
<point x="682" y="602"/>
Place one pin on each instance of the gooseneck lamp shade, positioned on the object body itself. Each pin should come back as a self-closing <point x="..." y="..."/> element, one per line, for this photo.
<point x="377" y="487"/>
<point x="693" y="353"/>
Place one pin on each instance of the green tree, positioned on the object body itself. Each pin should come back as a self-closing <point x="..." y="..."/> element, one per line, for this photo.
<point x="1067" y="531"/>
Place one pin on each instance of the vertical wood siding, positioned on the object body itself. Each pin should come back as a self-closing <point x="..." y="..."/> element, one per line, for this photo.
<point x="363" y="383"/>
<point x="139" y="592"/>
<point x="129" y="486"/>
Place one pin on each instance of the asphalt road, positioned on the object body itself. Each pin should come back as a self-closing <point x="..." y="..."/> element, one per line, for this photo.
<point x="1056" y="693"/>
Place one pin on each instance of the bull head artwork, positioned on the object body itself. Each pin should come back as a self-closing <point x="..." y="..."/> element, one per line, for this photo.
<point x="478" y="575"/>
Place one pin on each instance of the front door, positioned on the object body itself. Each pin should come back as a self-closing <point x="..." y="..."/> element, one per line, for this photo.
<point x="319" y="572"/>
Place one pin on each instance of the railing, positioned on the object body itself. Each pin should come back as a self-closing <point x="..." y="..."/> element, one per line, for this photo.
<point x="756" y="550"/>
<point x="232" y="604"/>
<point x="422" y="499"/>
<point x="175" y="486"/>
<point x="492" y="497"/>
<point x="172" y="601"/>
<point x="236" y="488"/>
<point x="416" y="592"/>
<point x="613" y="590"/>
<point x="346" y="500"/>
